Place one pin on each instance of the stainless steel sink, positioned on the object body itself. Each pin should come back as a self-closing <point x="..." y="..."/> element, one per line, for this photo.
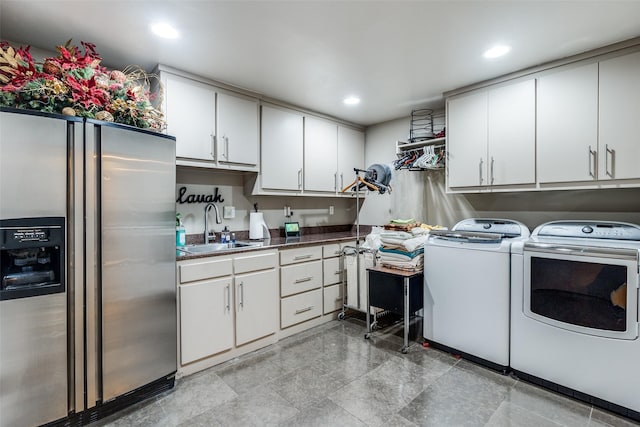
<point x="217" y="247"/>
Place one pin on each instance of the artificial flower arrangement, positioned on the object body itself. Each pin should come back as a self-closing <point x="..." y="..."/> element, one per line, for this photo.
<point x="74" y="83"/>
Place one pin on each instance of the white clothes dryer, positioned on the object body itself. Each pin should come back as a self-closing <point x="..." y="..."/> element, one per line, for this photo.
<point x="574" y="318"/>
<point x="467" y="289"/>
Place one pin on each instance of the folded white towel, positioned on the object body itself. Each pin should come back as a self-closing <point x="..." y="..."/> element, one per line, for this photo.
<point x="396" y="235"/>
<point x="415" y="243"/>
<point x="392" y="241"/>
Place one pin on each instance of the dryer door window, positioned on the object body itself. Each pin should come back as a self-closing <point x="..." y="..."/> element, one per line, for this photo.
<point x="592" y="295"/>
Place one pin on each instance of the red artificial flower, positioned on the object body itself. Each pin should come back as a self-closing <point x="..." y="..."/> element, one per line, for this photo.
<point x="87" y="93"/>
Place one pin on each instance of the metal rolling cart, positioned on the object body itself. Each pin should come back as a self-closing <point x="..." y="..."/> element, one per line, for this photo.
<point x="376" y="179"/>
<point x="358" y="270"/>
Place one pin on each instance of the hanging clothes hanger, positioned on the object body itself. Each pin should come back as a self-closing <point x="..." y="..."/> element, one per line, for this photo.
<point x="360" y="181"/>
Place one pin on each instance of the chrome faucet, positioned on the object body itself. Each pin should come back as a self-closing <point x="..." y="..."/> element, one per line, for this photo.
<point x="206" y="221"/>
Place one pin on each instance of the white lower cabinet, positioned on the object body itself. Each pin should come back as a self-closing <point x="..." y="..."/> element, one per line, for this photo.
<point x="229" y="305"/>
<point x="206" y="319"/>
<point x="300" y="277"/>
<point x="332" y="275"/>
<point x="332" y="298"/>
<point x="226" y="302"/>
<point x="305" y="274"/>
<point x="256" y="305"/>
<point x="301" y="307"/>
<point x="331" y="271"/>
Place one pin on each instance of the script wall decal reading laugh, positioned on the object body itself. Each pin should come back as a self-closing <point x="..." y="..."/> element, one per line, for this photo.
<point x="183" y="197"/>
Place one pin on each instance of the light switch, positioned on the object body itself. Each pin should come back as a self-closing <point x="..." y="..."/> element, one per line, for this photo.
<point x="229" y="212"/>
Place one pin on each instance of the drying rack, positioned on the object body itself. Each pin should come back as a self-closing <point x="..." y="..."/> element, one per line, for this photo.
<point x="356" y="250"/>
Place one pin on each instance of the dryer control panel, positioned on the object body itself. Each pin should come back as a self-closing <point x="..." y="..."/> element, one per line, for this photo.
<point x="590" y="229"/>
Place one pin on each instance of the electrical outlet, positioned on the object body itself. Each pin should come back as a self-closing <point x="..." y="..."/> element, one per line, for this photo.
<point x="331" y="212"/>
<point x="229" y="212"/>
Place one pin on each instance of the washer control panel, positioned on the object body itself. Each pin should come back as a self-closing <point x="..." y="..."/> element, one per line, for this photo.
<point x="590" y="229"/>
<point x="504" y="227"/>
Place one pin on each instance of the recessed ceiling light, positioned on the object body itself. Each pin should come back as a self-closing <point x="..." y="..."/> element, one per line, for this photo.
<point x="352" y="100"/>
<point x="164" y="30"/>
<point x="496" y="51"/>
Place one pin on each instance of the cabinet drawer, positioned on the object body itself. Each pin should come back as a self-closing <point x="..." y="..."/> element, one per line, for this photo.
<point x="331" y="272"/>
<point x="332" y="298"/>
<point x="204" y="270"/>
<point x="299" y="308"/>
<point x="292" y="256"/>
<point x="332" y="250"/>
<point x="300" y="277"/>
<point x="255" y="262"/>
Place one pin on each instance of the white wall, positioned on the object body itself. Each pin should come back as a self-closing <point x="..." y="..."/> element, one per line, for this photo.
<point x="421" y="195"/>
<point x="308" y="211"/>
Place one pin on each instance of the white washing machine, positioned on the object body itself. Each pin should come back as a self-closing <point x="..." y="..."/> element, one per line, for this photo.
<point x="574" y="319"/>
<point x="467" y="288"/>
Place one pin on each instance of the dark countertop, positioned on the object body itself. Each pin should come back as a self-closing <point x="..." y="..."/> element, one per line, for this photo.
<point x="280" y="243"/>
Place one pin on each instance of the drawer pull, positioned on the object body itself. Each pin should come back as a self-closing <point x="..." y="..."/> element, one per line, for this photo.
<point x="302" y="257"/>
<point x="339" y="299"/>
<point x="304" y="279"/>
<point x="338" y="272"/>
<point x="337" y="252"/>
<point x="303" y="310"/>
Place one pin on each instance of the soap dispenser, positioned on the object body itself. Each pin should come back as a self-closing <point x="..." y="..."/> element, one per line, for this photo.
<point x="181" y="235"/>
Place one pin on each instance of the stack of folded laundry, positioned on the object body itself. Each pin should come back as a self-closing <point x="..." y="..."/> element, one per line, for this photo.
<point x="403" y="244"/>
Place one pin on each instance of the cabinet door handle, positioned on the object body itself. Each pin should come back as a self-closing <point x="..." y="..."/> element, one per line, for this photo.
<point x="592" y="162"/>
<point x="341" y="180"/>
<point x="339" y="298"/>
<point x="492" y="162"/>
<point x="228" y="290"/>
<point x="226" y="147"/>
<point x="302" y="257"/>
<point x="241" y="288"/>
<point x="335" y="181"/>
<point x="338" y="272"/>
<point x="606" y="160"/>
<point x="299" y="178"/>
<point x="480" y="171"/>
<point x="213" y="145"/>
<point x="302" y="280"/>
<point x="302" y="310"/>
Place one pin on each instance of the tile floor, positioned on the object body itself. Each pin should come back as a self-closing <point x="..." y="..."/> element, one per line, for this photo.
<point x="332" y="376"/>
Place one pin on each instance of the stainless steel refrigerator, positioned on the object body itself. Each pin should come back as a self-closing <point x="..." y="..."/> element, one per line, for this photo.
<point x="87" y="300"/>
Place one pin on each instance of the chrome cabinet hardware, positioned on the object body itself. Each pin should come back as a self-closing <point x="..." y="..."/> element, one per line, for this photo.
<point x="592" y="162"/>
<point x="606" y="160"/>
<point x="303" y="310"/>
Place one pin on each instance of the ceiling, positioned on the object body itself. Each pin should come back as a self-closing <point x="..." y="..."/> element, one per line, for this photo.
<point x="395" y="55"/>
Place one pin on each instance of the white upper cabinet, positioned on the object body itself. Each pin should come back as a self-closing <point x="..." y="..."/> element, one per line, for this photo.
<point x="282" y="149"/>
<point x="567" y="125"/>
<point x="512" y="134"/>
<point x="491" y="137"/>
<point x="320" y="154"/>
<point x="619" y="121"/>
<point x="237" y="135"/>
<point x="467" y="140"/>
<point x="190" y="110"/>
<point x="214" y="127"/>
<point x="350" y="154"/>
